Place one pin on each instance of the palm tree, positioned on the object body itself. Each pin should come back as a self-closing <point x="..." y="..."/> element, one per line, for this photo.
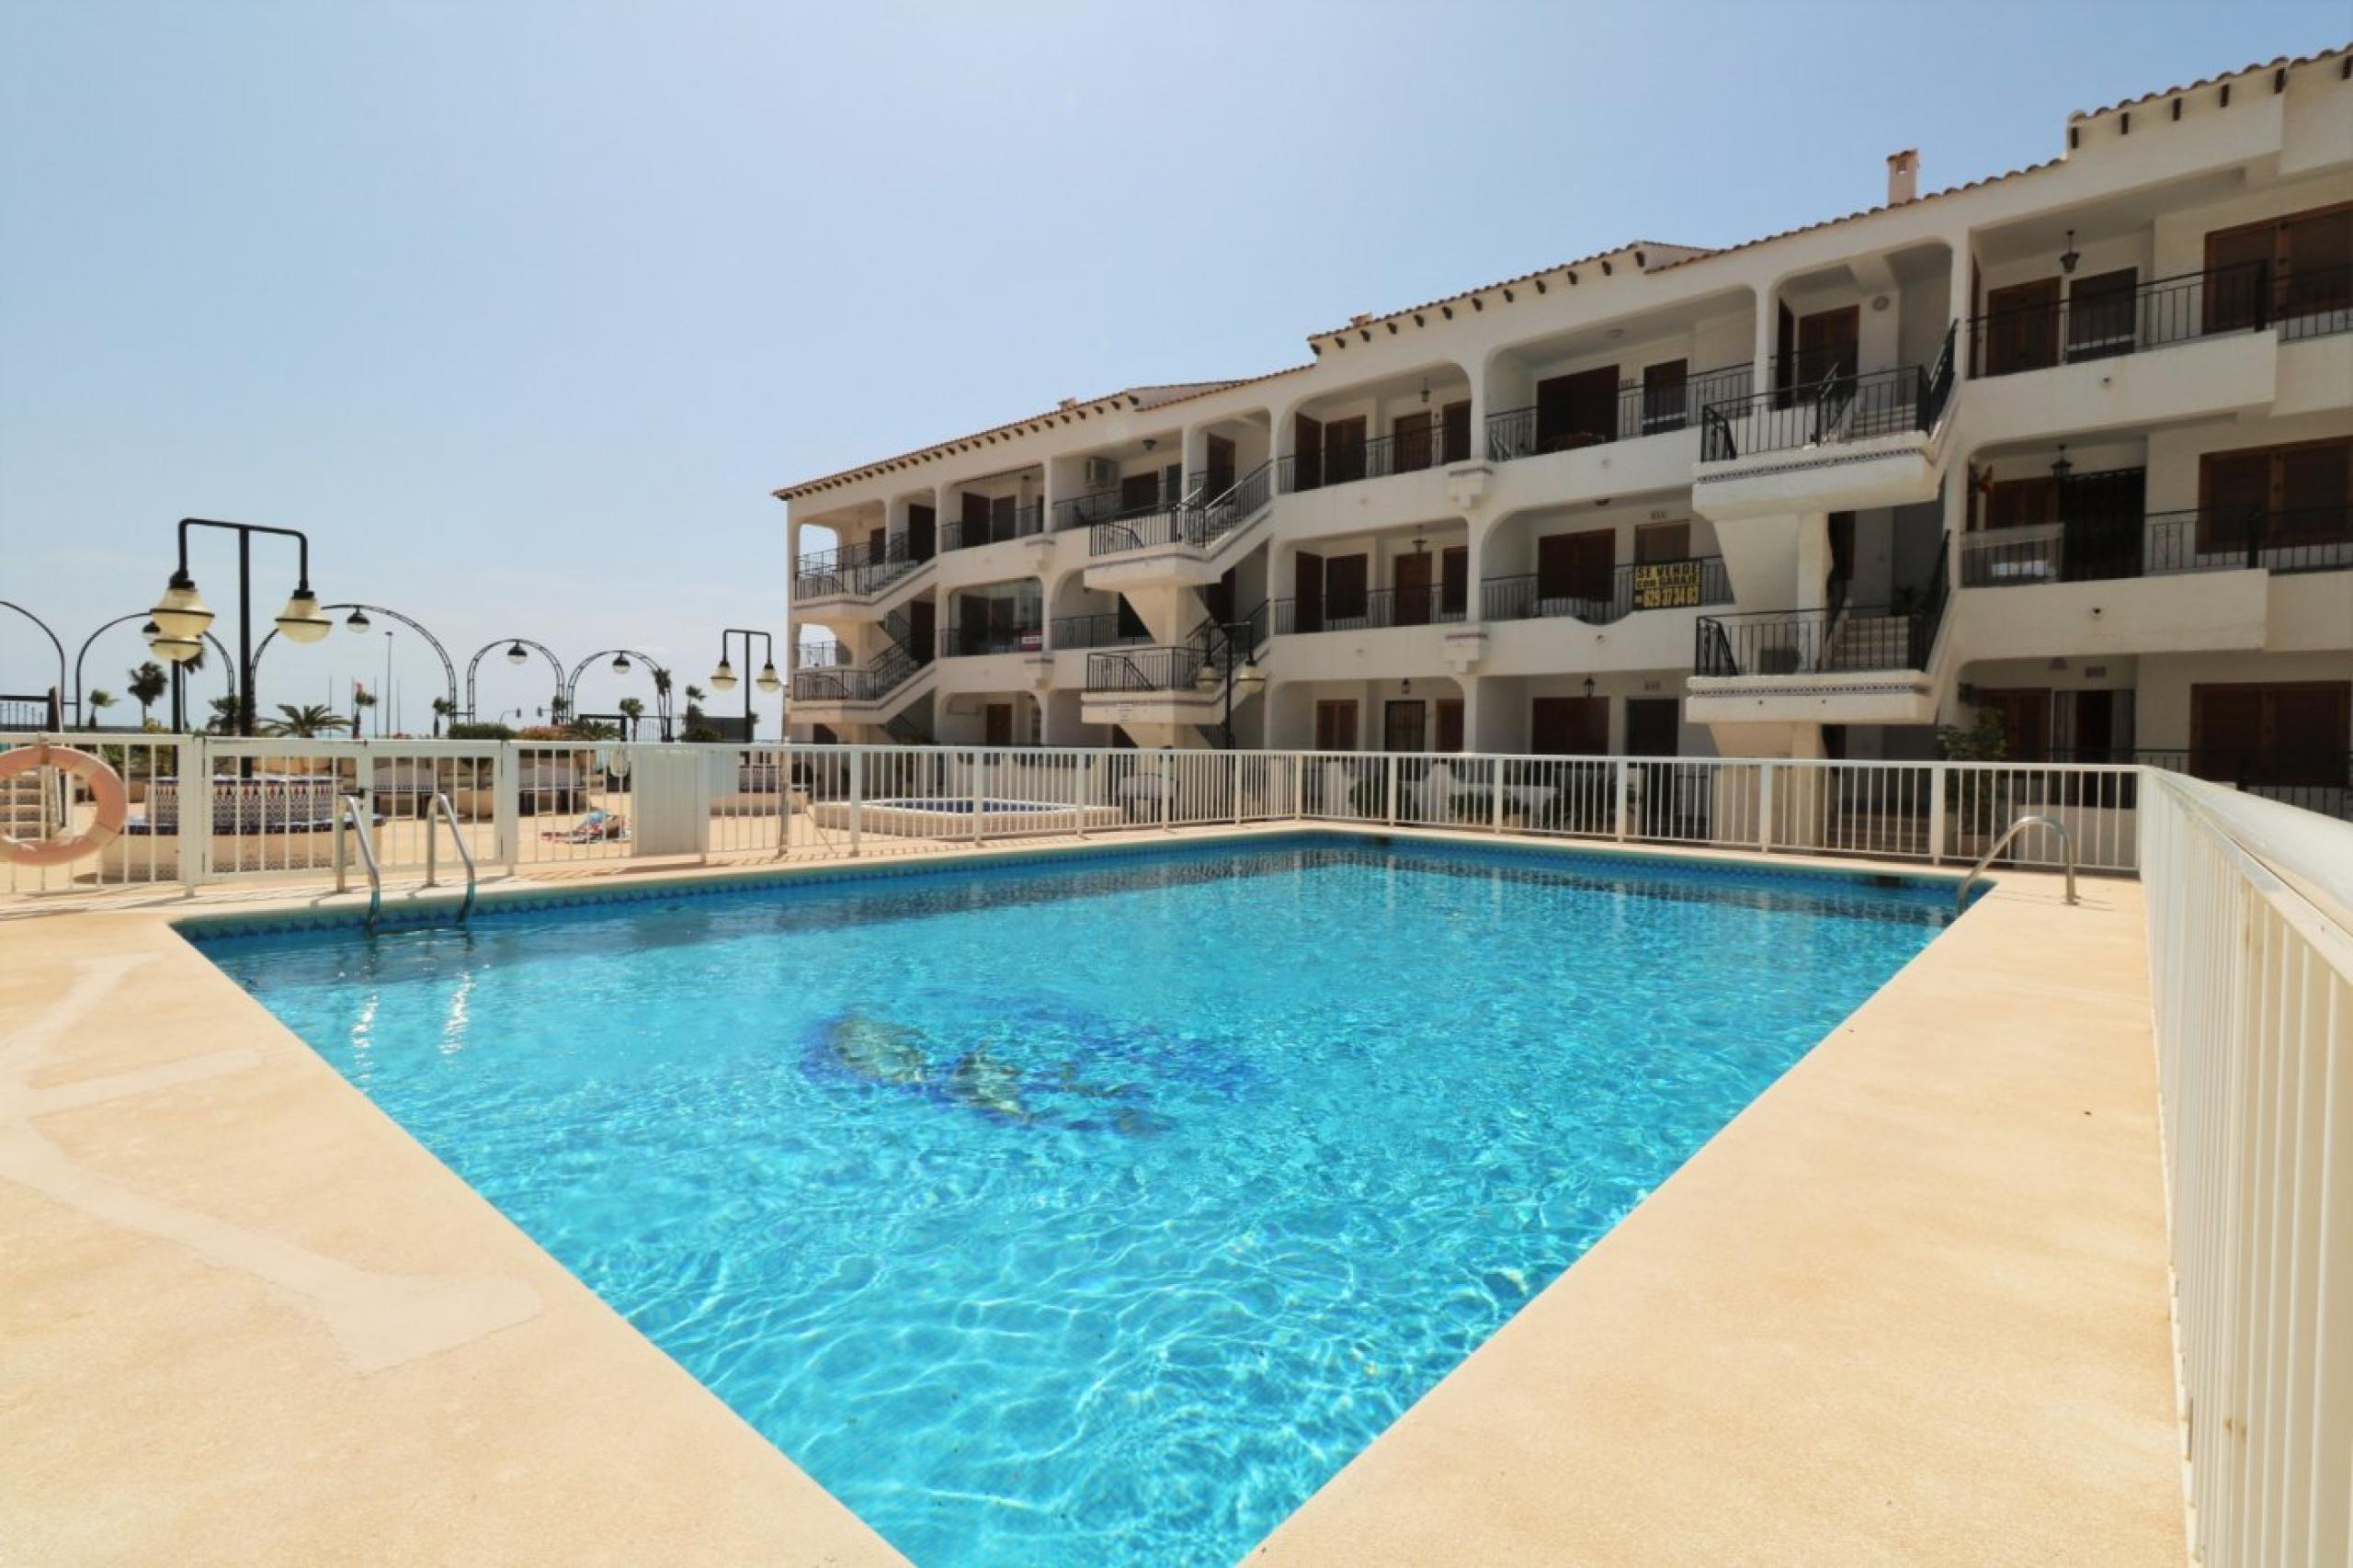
<point x="631" y="709"/>
<point x="97" y="701"/>
<point x="148" y="684"/>
<point x="225" y="715"/>
<point x="304" y="722"/>
<point x="443" y="707"/>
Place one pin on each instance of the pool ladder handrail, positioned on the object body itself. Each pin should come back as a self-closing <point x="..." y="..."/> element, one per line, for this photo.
<point x="354" y="814"/>
<point x="2066" y="841"/>
<point x="440" y="807"/>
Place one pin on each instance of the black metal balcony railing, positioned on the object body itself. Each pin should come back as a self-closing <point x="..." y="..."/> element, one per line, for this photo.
<point x="1199" y="522"/>
<point x="1638" y="411"/>
<point x="1373" y="610"/>
<point x="2310" y="538"/>
<point x="969" y="641"/>
<point x="1101" y="630"/>
<point x="1838" y="637"/>
<point x="861" y="568"/>
<point x="1012" y="523"/>
<point x="878" y="680"/>
<point x="2244" y="297"/>
<point x="1145" y="669"/>
<point x="1377" y="457"/>
<point x="1839" y="407"/>
<point x="1637" y="586"/>
<point x="820" y="655"/>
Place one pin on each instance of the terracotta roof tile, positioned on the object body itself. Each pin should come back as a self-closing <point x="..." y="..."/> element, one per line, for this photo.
<point x="2282" y="63"/>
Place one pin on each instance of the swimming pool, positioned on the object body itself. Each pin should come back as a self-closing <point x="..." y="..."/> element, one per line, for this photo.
<point x="1095" y="1209"/>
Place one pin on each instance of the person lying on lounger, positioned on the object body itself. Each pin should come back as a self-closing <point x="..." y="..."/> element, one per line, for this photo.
<point x="597" y="827"/>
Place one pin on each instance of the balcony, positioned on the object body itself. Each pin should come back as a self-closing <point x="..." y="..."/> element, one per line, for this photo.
<point x="1378" y="456"/>
<point x="1639" y="585"/>
<point x="1639" y="410"/>
<point x="1376" y="610"/>
<point x="1840" y="409"/>
<point x="2078" y="326"/>
<point x="842" y="686"/>
<point x="1107" y="630"/>
<point x="1003" y="525"/>
<point x="1833" y="640"/>
<point x="1198" y="521"/>
<point x="854" y="570"/>
<point x="1145" y="670"/>
<point x="975" y="642"/>
<point x="2312" y="539"/>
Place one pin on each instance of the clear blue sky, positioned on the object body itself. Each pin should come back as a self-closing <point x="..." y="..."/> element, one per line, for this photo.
<point x="522" y="310"/>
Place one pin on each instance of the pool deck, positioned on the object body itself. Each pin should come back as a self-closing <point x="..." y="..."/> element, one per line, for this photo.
<point x="1909" y="1306"/>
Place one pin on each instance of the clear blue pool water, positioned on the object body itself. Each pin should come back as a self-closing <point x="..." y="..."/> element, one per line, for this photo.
<point x="1093" y="1213"/>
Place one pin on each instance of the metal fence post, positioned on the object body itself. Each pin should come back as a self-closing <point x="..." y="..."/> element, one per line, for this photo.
<point x="1496" y="804"/>
<point x="196" y="811"/>
<point x="1765" y="807"/>
<point x="1391" y="789"/>
<point x="1237" y="788"/>
<point x="1624" y="772"/>
<point x="1937" y="771"/>
<point x="980" y="771"/>
<point x="1167" y="791"/>
<point x="1083" y="788"/>
<point x="857" y="788"/>
<point x="507" y="802"/>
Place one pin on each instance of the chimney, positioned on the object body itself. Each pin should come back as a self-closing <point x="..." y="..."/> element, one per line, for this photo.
<point x="1904" y="176"/>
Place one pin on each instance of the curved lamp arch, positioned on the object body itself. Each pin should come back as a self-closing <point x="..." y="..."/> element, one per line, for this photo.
<point x="663" y="680"/>
<point x="449" y="670"/>
<point x="228" y="667"/>
<point x="562" y="690"/>
<point x="53" y="642"/>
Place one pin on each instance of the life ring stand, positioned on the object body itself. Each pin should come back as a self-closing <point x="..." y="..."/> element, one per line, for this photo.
<point x="105" y="792"/>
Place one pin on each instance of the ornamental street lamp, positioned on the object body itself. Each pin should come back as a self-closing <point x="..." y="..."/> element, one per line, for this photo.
<point x="182" y="618"/>
<point x="724" y="678"/>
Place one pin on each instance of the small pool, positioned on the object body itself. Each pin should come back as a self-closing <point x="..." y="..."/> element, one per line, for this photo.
<point x="1095" y="1209"/>
<point x="953" y="805"/>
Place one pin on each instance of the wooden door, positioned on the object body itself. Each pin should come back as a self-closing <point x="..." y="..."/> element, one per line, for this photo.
<point x="922" y="632"/>
<point x="1456" y="420"/>
<point x="1346" y="580"/>
<point x="1335" y="725"/>
<point x="1140" y="494"/>
<point x="1307" y="452"/>
<point x="1307" y="591"/>
<point x="878" y="545"/>
<point x="1454" y="582"/>
<point x="2281" y="733"/>
<point x="2100" y="521"/>
<point x="999" y="721"/>
<point x="2238" y="263"/>
<point x="1568" y="726"/>
<point x="2303" y="494"/>
<point x="1663" y="541"/>
<point x="976" y="520"/>
<point x="1221" y="466"/>
<point x="2102" y="314"/>
<point x="1344" y="450"/>
<point x="1664" y="407"/>
<point x="923" y="532"/>
<point x="1826" y="344"/>
<point x="2021" y="503"/>
<point x="1654" y="726"/>
<point x="1578" y="410"/>
<point x="1410" y="435"/>
<point x="2026" y="720"/>
<point x="2022" y="327"/>
<point x="1450" y="724"/>
<point x="1576" y="566"/>
<point x="1411" y="575"/>
<point x="1403" y="722"/>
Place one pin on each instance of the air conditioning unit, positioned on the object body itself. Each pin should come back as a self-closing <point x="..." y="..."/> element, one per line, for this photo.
<point x="1102" y="473"/>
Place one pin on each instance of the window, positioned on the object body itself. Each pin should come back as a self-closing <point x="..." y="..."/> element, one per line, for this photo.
<point x="1568" y="726"/>
<point x="2022" y="502"/>
<point x="1456" y="418"/>
<point x="1663" y="404"/>
<point x="1454" y="581"/>
<point x="2302" y="493"/>
<point x="2026" y="721"/>
<point x="1138" y="495"/>
<point x="1402" y="726"/>
<point x="1413" y="448"/>
<point x="2022" y="327"/>
<point x="1576" y="566"/>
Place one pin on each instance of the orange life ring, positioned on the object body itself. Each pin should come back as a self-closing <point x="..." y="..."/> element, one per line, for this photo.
<point x="106" y="791"/>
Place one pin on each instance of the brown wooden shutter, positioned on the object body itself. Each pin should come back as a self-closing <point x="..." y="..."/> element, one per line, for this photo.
<point x="2233" y="489"/>
<point x="1307" y="452"/>
<point x="1456" y="419"/>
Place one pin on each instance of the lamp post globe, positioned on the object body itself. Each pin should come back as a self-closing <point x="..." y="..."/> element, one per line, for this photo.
<point x="621" y="664"/>
<point x="514" y="654"/>
<point x="303" y="620"/>
<point x="768" y="680"/>
<point x="358" y="620"/>
<point x="723" y="677"/>
<point x="180" y="614"/>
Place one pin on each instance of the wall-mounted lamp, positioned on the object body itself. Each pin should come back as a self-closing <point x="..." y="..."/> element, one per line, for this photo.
<point x="1149" y="442"/>
<point x="2067" y="258"/>
<point x="1425" y="391"/>
<point x="1588" y="686"/>
<point x="1405" y="686"/>
<point x="2059" y="467"/>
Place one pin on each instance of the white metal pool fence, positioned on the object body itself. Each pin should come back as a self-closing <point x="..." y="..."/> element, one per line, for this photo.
<point x="207" y="808"/>
<point x="2250" y="922"/>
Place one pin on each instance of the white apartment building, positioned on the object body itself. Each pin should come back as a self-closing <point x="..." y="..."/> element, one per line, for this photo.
<point x="2072" y="444"/>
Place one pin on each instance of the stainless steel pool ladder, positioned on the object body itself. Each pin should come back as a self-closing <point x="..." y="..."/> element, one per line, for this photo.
<point x="354" y="814"/>
<point x="439" y="806"/>
<point x="2066" y="841"/>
